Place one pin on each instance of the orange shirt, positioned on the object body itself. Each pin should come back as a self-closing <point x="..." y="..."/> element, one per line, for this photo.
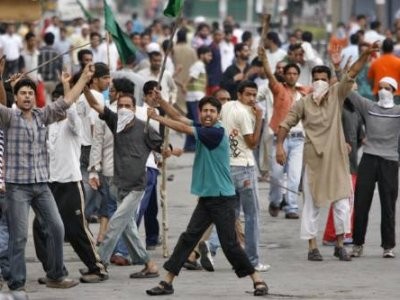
<point x="386" y="65"/>
<point x="283" y="102"/>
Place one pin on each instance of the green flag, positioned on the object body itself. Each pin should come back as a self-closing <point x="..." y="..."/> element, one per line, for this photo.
<point x="173" y="8"/>
<point x="86" y="13"/>
<point x="121" y="39"/>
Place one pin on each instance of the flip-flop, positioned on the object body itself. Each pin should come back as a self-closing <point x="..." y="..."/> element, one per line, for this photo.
<point x="144" y="274"/>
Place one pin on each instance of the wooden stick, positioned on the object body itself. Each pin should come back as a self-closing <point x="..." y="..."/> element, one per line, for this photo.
<point x="53" y="59"/>
<point x="163" y="189"/>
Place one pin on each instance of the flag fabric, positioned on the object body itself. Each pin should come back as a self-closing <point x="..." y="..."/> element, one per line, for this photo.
<point x="121" y="39"/>
<point x="173" y="8"/>
<point x="86" y="13"/>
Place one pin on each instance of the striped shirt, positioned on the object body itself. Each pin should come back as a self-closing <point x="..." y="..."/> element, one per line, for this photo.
<point x="50" y="71"/>
<point x="26" y="154"/>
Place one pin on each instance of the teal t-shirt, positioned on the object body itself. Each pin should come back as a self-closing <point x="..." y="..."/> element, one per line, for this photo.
<point x="211" y="172"/>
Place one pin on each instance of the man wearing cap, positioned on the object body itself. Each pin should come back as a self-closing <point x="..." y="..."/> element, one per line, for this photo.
<point x="379" y="163"/>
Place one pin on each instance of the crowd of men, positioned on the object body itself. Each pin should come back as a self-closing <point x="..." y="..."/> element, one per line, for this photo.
<point x="82" y="136"/>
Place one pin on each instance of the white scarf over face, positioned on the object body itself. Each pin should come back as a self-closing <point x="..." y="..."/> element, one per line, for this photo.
<point x="320" y="88"/>
<point x="385" y="98"/>
<point x="125" y="116"/>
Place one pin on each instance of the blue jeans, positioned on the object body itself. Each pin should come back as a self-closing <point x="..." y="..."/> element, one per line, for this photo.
<point x="19" y="197"/>
<point x="192" y="114"/>
<point x="294" y="152"/>
<point x="149" y="208"/>
<point x="245" y="181"/>
<point x="4" y="264"/>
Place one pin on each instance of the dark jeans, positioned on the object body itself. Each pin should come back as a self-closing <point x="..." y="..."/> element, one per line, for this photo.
<point x="92" y="197"/>
<point x="220" y="211"/>
<point x="70" y="202"/>
<point x="149" y="208"/>
<point x="192" y="114"/>
<point x="386" y="172"/>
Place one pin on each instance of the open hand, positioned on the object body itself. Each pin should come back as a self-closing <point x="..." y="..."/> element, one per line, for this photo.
<point x="2" y="64"/>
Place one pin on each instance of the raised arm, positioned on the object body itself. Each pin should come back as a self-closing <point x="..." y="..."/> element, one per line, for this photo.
<point x="3" y="95"/>
<point x="362" y="60"/>
<point x="175" y="125"/>
<point x="99" y="107"/>
<point x="170" y="110"/>
<point x="267" y="68"/>
<point x="76" y="90"/>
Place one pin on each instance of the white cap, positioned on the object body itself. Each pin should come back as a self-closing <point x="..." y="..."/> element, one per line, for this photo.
<point x="199" y="19"/>
<point x="390" y="81"/>
<point x="153" y="47"/>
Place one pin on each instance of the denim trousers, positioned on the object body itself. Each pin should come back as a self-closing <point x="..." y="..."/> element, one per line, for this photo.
<point x="19" y="198"/>
<point x="92" y="197"/>
<point x="149" y="208"/>
<point x="192" y="114"/>
<point x="4" y="236"/>
<point x="220" y="211"/>
<point x="123" y="223"/>
<point x="245" y="181"/>
<point x="293" y="147"/>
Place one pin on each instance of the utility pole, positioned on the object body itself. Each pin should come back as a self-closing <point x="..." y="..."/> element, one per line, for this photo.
<point x="380" y="12"/>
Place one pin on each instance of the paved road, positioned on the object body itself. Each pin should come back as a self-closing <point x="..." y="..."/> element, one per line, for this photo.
<point x="291" y="275"/>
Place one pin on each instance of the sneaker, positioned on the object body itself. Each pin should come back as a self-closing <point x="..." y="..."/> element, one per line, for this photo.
<point x="314" y="255"/>
<point x="262" y="268"/>
<point x="341" y="253"/>
<point x="61" y="284"/>
<point x="93" y="277"/>
<point x="42" y="280"/>
<point x="388" y="253"/>
<point x="273" y="211"/>
<point x="206" y="259"/>
<point x="357" y="251"/>
<point x="292" y="216"/>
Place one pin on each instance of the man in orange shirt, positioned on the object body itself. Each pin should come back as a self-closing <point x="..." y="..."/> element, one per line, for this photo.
<point x="387" y="65"/>
<point x="285" y="95"/>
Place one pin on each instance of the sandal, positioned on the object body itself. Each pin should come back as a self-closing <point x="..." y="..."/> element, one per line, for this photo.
<point x="144" y="274"/>
<point x="260" y="288"/>
<point x="163" y="288"/>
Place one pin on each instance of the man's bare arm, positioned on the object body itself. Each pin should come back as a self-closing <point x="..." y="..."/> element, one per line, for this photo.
<point x="252" y="140"/>
<point x="3" y="95"/>
<point x="77" y="89"/>
<point x="170" y="110"/>
<point x="362" y="60"/>
<point x="280" y="152"/>
<point x="175" y="125"/>
<point x="93" y="103"/>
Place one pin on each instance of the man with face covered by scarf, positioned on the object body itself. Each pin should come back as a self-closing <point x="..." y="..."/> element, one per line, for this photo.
<point x="133" y="142"/>
<point x="379" y="163"/>
<point x="326" y="176"/>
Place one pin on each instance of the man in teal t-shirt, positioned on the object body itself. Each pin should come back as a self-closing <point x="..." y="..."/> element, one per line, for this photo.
<point x="212" y="182"/>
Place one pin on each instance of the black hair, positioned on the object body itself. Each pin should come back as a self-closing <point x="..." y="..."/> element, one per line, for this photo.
<point x="131" y="59"/>
<point x="274" y="37"/>
<point x="29" y="35"/>
<point x="181" y="35"/>
<point x="247" y="35"/>
<point x="354" y="39"/>
<point x="49" y="39"/>
<point x="360" y="17"/>
<point x="387" y="45"/>
<point x="123" y="85"/>
<point x="295" y="47"/>
<point x="289" y="66"/>
<point x="154" y="53"/>
<point x="246" y="84"/>
<point x="321" y="69"/>
<point x="239" y="47"/>
<point x="203" y="50"/>
<point x="212" y="101"/>
<point x="24" y="82"/>
<point x="93" y="34"/>
<point x="100" y="70"/>
<point x="307" y="36"/>
<point x="82" y="53"/>
<point x="375" y="25"/>
<point x="165" y="45"/>
<point x="201" y="26"/>
<point x="129" y="95"/>
<point x="150" y="86"/>
<point x="256" y="62"/>
<point x="58" y="91"/>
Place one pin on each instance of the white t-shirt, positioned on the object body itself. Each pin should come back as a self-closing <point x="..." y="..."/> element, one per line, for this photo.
<point x="11" y="45"/>
<point x="197" y="70"/>
<point x="114" y="56"/>
<point x="239" y="118"/>
<point x="141" y="114"/>
<point x="88" y="116"/>
<point x="275" y="57"/>
<point x="227" y="51"/>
